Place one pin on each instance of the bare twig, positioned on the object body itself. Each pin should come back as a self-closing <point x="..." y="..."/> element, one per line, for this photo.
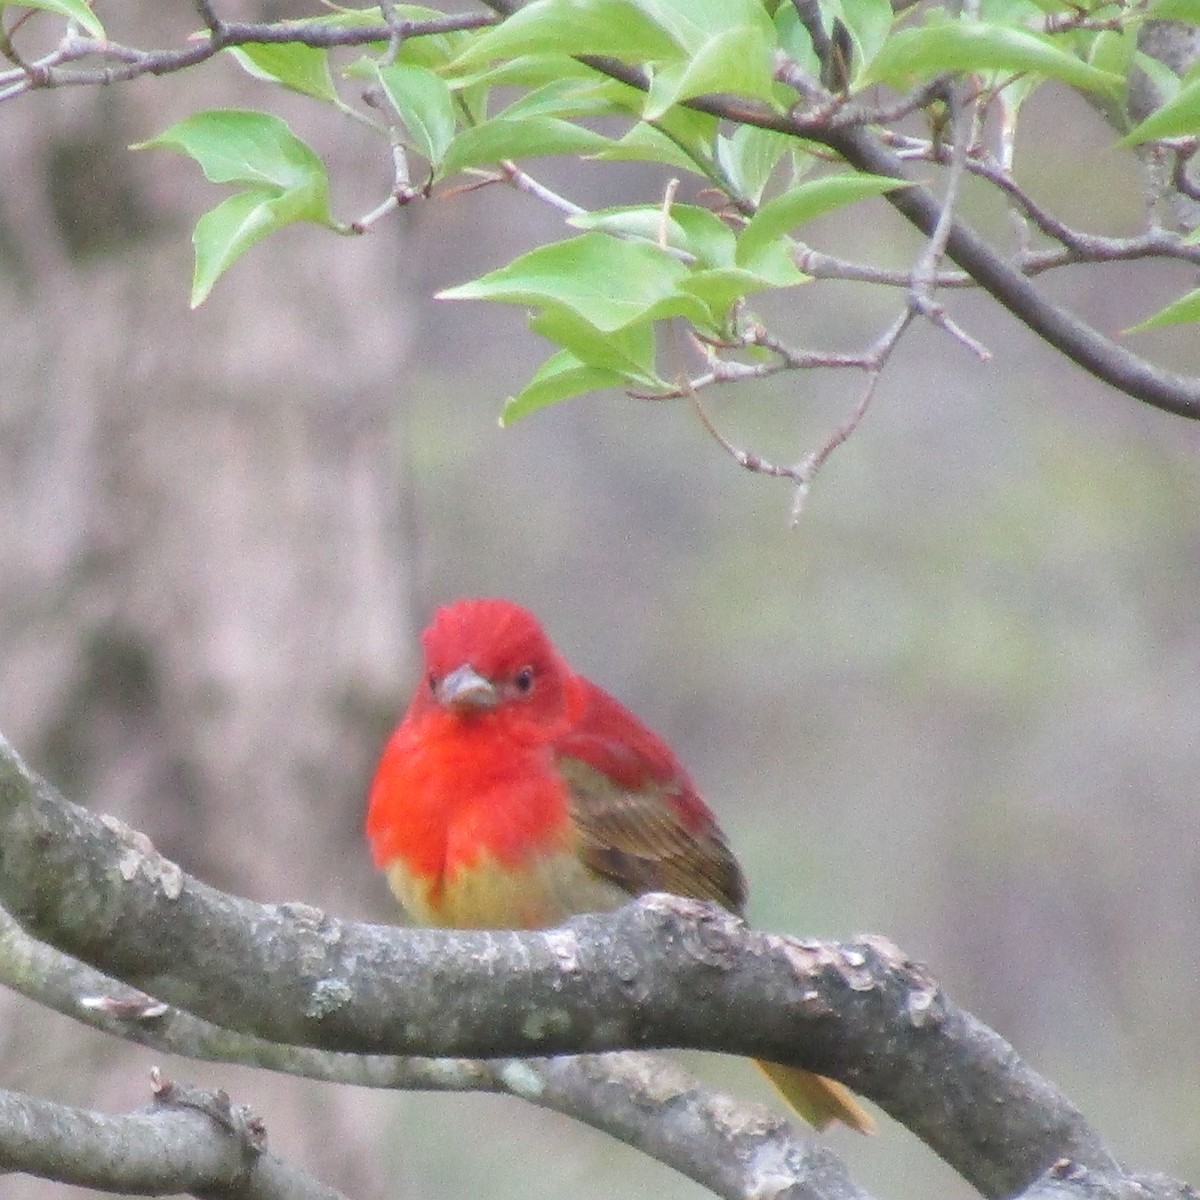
<point x="403" y="191"/>
<point x="924" y="272"/>
<point x="913" y="101"/>
<point x="395" y="23"/>
<point x="726" y="370"/>
<point x="1094" y="352"/>
<point x="825" y="266"/>
<point x="1181" y="178"/>
<point x="524" y="182"/>
<point x="921" y="281"/>
<point x="121" y="63"/>
<point x="809" y="12"/>
<point x="208" y="15"/>
<point x="812" y="463"/>
<point x="803" y="472"/>
<point x="1079" y="20"/>
<point x="669" y="192"/>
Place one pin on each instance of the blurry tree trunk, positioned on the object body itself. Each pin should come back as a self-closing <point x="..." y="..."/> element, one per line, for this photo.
<point x="200" y="529"/>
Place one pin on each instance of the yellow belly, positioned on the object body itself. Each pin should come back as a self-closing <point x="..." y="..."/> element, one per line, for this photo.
<point x="490" y="895"/>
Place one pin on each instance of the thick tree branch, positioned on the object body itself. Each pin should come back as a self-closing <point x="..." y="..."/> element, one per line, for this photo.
<point x="660" y="972"/>
<point x="188" y="1141"/>
<point x="759" y="1154"/>
<point x="644" y="1100"/>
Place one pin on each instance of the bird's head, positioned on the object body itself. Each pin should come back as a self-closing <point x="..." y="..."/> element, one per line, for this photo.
<point x="492" y="656"/>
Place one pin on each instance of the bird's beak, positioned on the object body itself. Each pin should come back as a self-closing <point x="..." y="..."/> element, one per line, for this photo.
<point x="465" y="690"/>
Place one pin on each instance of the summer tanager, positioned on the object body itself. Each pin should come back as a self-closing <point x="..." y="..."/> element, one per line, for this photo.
<point x="515" y="793"/>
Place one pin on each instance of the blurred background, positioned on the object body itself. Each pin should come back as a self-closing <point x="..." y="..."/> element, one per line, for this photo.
<point x="957" y="705"/>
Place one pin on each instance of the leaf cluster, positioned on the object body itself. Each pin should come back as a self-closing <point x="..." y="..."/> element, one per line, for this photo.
<point x="753" y="110"/>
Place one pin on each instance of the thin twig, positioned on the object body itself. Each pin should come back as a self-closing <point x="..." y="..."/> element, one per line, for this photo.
<point x="913" y="101"/>
<point x="1180" y="177"/>
<point x="825" y="266"/>
<point x="924" y="272"/>
<point x="807" y="468"/>
<point x="132" y="63"/>
<point x="665" y="213"/>
<point x="403" y="191"/>
<point x="394" y="21"/>
<point x="726" y="370"/>
<point x="743" y="458"/>
<point x="802" y="472"/>
<point x="524" y="182"/>
<point x="208" y="15"/>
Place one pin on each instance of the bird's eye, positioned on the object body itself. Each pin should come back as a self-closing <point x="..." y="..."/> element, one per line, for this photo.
<point x="432" y="682"/>
<point x="524" y="679"/>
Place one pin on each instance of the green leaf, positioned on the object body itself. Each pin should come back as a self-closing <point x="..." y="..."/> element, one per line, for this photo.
<point x="781" y="215"/>
<point x="1180" y="312"/>
<point x="532" y="138"/>
<point x="1165" y="82"/>
<point x="1112" y="50"/>
<point x="422" y="100"/>
<point x="629" y="351"/>
<point x="709" y="239"/>
<point x="1179" y="117"/>
<point x="735" y="60"/>
<point x="226" y="232"/>
<point x="646" y="222"/>
<point x="691" y="24"/>
<point x="605" y="281"/>
<point x="74" y="10"/>
<point x="237" y="146"/>
<point x="695" y="133"/>
<point x="795" y="40"/>
<point x="566" y="98"/>
<point x="647" y="143"/>
<point x="1015" y="13"/>
<point x="722" y="46"/>
<point x="434" y="51"/>
<point x="749" y="156"/>
<point x="776" y="263"/>
<point x="693" y="231"/>
<point x="720" y="288"/>
<point x="284" y="182"/>
<point x="529" y="70"/>
<point x="560" y="377"/>
<point x="967" y="45"/>
<point x="304" y="69"/>
<point x="609" y="27"/>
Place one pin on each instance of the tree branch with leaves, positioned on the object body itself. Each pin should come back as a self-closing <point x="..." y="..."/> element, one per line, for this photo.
<point x="762" y="117"/>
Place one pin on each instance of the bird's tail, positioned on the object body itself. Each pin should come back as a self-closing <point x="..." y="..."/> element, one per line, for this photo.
<point x="818" y="1100"/>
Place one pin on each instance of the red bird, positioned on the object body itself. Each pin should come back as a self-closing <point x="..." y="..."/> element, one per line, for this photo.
<point x="515" y="794"/>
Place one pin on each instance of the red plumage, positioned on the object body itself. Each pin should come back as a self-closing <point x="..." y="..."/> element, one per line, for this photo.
<point x="515" y="793"/>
